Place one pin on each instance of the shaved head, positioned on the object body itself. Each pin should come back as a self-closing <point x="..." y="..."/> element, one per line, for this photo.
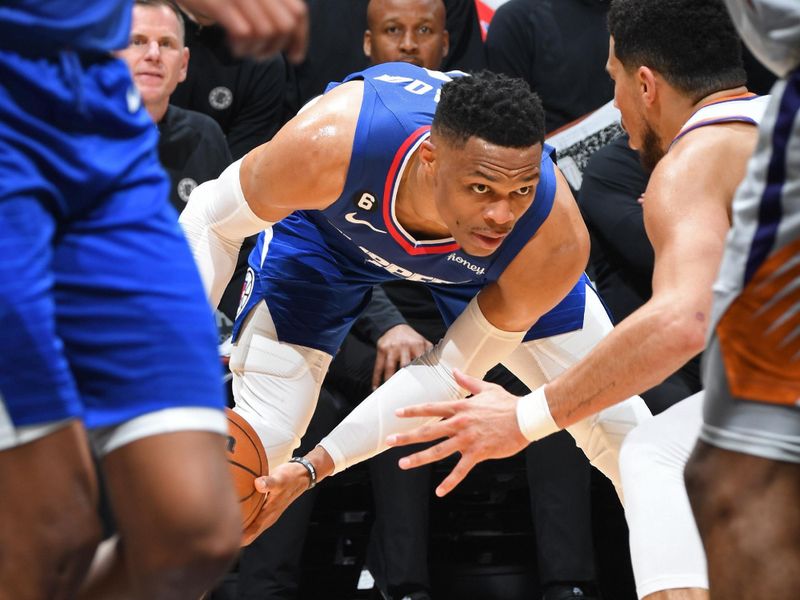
<point x="378" y="10"/>
<point x="406" y="30"/>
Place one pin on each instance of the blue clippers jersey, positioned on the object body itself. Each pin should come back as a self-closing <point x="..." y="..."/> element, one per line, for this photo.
<point x="357" y="241"/>
<point x="46" y="26"/>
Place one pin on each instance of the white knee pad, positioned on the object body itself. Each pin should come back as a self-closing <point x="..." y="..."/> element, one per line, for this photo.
<point x="666" y="550"/>
<point x="275" y="384"/>
<point x="599" y="436"/>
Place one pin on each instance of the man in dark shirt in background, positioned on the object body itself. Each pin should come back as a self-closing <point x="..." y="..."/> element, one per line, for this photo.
<point x="559" y="47"/>
<point x="246" y="99"/>
<point x="191" y="145"/>
<point x="244" y="96"/>
<point x="336" y="45"/>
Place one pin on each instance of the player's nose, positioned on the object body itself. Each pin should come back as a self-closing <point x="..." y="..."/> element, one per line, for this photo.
<point x="408" y="43"/>
<point x="500" y="213"/>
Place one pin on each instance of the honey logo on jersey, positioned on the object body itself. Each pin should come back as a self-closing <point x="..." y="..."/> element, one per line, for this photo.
<point x="465" y="263"/>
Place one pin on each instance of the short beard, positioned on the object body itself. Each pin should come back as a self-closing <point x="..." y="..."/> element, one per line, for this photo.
<point x="651" y="151"/>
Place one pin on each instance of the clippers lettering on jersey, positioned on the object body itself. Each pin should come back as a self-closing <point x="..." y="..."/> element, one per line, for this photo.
<point x="465" y="263"/>
<point x="399" y="271"/>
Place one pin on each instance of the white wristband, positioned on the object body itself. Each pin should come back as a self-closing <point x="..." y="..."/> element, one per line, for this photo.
<point x="533" y="416"/>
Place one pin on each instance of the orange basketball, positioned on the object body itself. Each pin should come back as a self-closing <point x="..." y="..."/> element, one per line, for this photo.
<point x="247" y="460"/>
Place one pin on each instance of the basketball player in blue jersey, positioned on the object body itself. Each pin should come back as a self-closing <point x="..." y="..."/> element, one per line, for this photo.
<point x="689" y="114"/>
<point x="400" y="172"/>
<point x="743" y="477"/>
<point x="103" y="325"/>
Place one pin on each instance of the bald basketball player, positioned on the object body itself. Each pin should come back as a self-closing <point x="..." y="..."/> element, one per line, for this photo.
<point x="412" y="32"/>
<point x="688" y="113"/>
<point x="399" y="172"/>
<point x="743" y="477"/>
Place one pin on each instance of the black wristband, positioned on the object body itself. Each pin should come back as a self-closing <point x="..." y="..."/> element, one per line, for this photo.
<point x="312" y="472"/>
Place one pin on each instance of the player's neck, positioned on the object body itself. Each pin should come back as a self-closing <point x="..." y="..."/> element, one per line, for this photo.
<point x="415" y="207"/>
<point x="683" y="108"/>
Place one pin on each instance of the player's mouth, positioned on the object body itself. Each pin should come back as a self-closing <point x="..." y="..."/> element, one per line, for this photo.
<point x="489" y="240"/>
<point x="414" y="60"/>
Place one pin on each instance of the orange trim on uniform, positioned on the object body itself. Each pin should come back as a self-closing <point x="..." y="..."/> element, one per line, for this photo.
<point x="761" y="352"/>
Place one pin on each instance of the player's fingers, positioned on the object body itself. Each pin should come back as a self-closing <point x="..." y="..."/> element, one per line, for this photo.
<point x="472" y="384"/>
<point x="297" y="42"/>
<point x="421" y="349"/>
<point x="377" y="370"/>
<point x="273" y="27"/>
<point x="424" y="433"/>
<point x="233" y="20"/>
<point x="391" y="366"/>
<point x="265" y="20"/>
<point x="256" y="526"/>
<point x="261" y="484"/>
<point x="430" y="455"/>
<point x="430" y="409"/>
<point x="288" y="20"/>
<point x="281" y="16"/>
<point x="455" y="477"/>
<point x="405" y="357"/>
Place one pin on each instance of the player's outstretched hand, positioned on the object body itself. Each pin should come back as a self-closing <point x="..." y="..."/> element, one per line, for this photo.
<point x="282" y="486"/>
<point x="395" y="349"/>
<point x="259" y="28"/>
<point x="481" y="427"/>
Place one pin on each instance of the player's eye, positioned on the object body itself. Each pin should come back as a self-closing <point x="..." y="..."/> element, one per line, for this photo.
<point x="480" y="188"/>
<point x="425" y="29"/>
<point x="525" y="190"/>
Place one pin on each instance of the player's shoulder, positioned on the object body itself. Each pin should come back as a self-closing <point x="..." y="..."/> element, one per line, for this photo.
<point x="400" y="75"/>
<point x="709" y="148"/>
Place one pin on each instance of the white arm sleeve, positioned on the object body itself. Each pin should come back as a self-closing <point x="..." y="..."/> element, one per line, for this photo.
<point x="215" y="221"/>
<point x="538" y="361"/>
<point x="472" y="345"/>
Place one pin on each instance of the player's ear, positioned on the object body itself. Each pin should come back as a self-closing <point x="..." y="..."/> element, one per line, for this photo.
<point x="368" y="43"/>
<point x="445" y="43"/>
<point x="646" y="78"/>
<point x="427" y="153"/>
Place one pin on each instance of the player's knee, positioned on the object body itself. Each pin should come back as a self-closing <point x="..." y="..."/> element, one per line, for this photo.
<point x="212" y="552"/>
<point x="211" y="536"/>
<point x="55" y="557"/>
<point x="191" y="559"/>
<point x="714" y="490"/>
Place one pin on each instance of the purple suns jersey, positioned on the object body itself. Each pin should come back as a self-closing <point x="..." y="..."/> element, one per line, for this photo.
<point x="315" y="269"/>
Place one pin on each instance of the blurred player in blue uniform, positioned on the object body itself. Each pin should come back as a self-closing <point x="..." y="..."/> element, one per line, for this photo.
<point x="105" y="335"/>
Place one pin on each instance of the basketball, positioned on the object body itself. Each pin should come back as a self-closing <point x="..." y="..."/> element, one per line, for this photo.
<point x="247" y="461"/>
